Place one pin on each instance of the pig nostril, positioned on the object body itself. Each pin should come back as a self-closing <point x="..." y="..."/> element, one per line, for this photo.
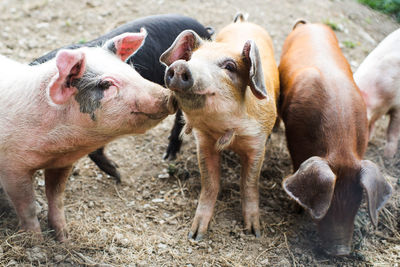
<point x="185" y="77"/>
<point x="171" y="74"/>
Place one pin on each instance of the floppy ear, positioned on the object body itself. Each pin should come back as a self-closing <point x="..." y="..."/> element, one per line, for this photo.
<point x="126" y="44"/>
<point x="251" y="56"/>
<point x="182" y="48"/>
<point x="312" y="186"/>
<point x="377" y="189"/>
<point x="71" y="64"/>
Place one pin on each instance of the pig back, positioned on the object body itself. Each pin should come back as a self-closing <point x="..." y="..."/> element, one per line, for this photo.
<point x="321" y="106"/>
<point x="161" y="32"/>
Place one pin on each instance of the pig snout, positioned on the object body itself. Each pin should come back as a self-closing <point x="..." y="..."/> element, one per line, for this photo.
<point x="336" y="244"/>
<point x="178" y="76"/>
<point x="156" y="106"/>
<point x="336" y="233"/>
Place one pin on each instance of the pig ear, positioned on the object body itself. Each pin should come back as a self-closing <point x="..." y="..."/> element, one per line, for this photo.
<point x="256" y="76"/>
<point x="126" y="44"/>
<point x="298" y="23"/>
<point x="378" y="190"/>
<point x="71" y="65"/>
<point x="182" y="48"/>
<point x="312" y="186"/>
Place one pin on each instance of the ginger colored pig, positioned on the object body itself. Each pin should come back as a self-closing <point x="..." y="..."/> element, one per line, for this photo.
<point x="327" y="131"/>
<point x="227" y="90"/>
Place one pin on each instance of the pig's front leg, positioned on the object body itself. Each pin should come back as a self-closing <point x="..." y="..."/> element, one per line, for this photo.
<point x="392" y="135"/>
<point x="55" y="186"/>
<point x="19" y="188"/>
<point x="175" y="140"/>
<point x="105" y="164"/>
<point x="251" y="161"/>
<point x="209" y="163"/>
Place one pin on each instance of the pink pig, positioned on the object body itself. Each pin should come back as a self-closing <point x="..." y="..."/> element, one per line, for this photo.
<point x="54" y="113"/>
<point x="378" y="77"/>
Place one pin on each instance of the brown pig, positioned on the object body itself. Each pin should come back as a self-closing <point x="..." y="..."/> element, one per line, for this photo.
<point x="327" y="132"/>
<point x="227" y="90"/>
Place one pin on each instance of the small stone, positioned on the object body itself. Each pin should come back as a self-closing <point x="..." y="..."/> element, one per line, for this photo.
<point x="209" y="250"/>
<point x="163" y="176"/>
<point x="131" y="203"/>
<point x="58" y="258"/>
<point x="38" y="207"/>
<point x="42" y="25"/>
<point x="12" y="263"/>
<point x="190" y="250"/>
<point x="162" y="246"/>
<point x="35" y="254"/>
<point x="124" y="241"/>
<point x="91" y="204"/>
<point x="158" y="200"/>
<point x="40" y="182"/>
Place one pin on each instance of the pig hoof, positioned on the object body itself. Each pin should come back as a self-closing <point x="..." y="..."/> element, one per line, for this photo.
<point x="338" y="250"/>
<point x="255" y="232"/>
<point x="62" y="236"/>
<point x="169" y="156"/>
<point x="195" y="236"/>
<point x="389" y="152"/>
<point x="105" y="164"/>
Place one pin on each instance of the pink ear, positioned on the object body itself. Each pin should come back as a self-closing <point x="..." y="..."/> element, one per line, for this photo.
<point x="70" y="65"/>
<point x="182" y="48"/>
<point x="128" y="44"/>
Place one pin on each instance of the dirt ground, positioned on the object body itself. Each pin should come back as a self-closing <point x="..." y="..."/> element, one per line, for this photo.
<point x="145" y="220"/>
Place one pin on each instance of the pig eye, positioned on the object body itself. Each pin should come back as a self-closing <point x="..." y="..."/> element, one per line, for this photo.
<point x="104" y="84"/>
<point x="229" y="65"/>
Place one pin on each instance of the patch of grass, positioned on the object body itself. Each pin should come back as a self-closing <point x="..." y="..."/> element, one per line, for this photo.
<point x="391" y="7"/>
<point x="349" y="44"/>
<point x="334" y="26"/>
<point x="82" y="41"/>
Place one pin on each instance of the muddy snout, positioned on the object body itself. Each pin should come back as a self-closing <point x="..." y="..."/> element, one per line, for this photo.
<point x="336" y="236"/>
<point x="178" y="76"/>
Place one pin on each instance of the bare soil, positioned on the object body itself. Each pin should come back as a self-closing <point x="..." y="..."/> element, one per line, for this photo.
<point x="145" y="220"/>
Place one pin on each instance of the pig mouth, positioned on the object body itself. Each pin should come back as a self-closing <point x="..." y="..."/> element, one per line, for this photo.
<point x="195" y="92"/>
<point x="156" y="116"/>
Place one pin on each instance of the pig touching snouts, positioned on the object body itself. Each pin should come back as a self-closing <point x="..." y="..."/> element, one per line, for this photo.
<point x="378" y="78"/>
<point x="161" y="32"/>
<point x="54" y="113"/>
<point x="327" y="131"/>
<point x="227" y="90"/>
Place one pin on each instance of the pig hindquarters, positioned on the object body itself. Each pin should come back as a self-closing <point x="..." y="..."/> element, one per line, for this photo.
<point x="162" y="31"/>
<point x="227" y="91"/>
<point x="54" y="113"/>
<point x="326" y="129"/>
<point x="378" y="78"/>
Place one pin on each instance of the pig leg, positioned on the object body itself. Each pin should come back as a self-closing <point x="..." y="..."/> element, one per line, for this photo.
<point x="105" y="164"/>
<point x="55" y="186"/>
<point x="19" y="188"/>
<point x="209" y="163"/>
<point x="251" y="161"/>
<point x="392" y="135"/>
<point x="175" y="140"/>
